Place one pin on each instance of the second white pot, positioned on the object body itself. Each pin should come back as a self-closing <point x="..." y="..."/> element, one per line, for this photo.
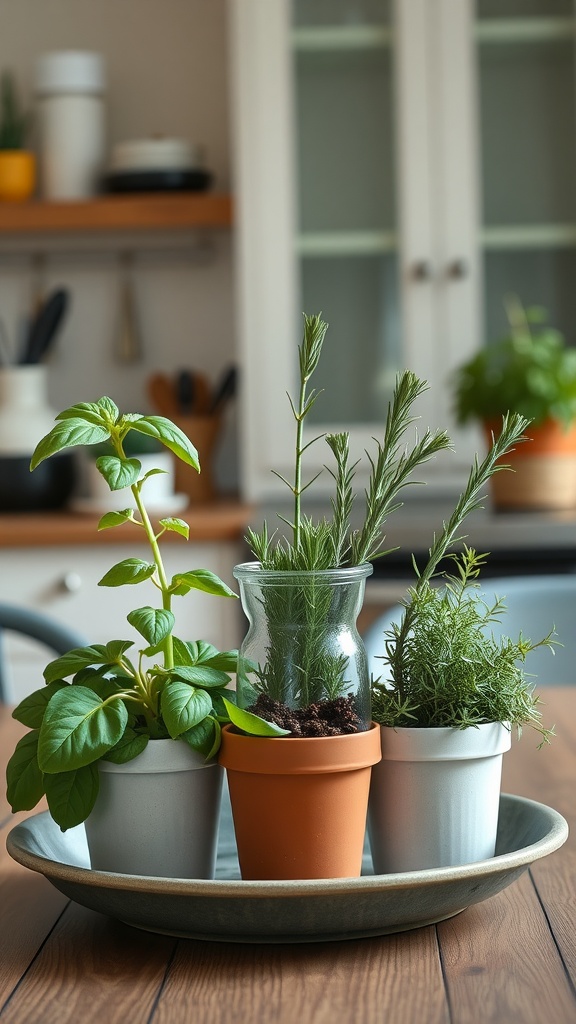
<point x="434" y="797"/>
<point x="157" y="814"/>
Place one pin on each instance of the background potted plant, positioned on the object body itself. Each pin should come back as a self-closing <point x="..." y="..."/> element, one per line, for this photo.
<point x="127" y="743"/>
<point x="299" y="753"/>
<point x="17" y="164"/>
<point x="447" y="710"/>
<point x="530" y="371"/>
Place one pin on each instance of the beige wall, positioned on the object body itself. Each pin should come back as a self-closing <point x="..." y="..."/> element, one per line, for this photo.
<point x="167" y="73"/>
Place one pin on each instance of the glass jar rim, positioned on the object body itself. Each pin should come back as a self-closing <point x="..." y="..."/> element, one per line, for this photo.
<point x="252" y="572"/>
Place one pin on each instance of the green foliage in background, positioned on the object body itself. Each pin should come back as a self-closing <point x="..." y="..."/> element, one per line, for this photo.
<point x="530" y="371"/>
<point x="14" y="125"/>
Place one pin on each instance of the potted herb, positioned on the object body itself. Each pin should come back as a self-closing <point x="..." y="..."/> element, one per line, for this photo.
<point x="17" y="164"/>
<point x="124" y="740"/>
<point x="446" y="713"/>
<point x="299" y="753"/>
<point x="530" y="371"/>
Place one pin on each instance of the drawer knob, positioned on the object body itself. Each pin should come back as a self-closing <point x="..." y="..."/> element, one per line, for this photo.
<point x="70" y="583"/>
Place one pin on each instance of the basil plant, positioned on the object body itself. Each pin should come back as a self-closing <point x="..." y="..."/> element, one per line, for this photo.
<point x="107" y="701"/>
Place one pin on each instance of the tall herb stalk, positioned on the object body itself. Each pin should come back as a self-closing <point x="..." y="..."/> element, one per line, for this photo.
<point x="299" y="668"/>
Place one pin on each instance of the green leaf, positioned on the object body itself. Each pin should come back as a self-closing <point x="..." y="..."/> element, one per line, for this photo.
<point x="183" y="707"/>
<point x="200" y="579"/>
<point x="204" y="738"/>
<point x="176" y="526"/>
<point x="154" y="624"/>
<point x="118" y="473"/>
<point x="67" y="434"/>
<point x="78" y="728"/>
<point x="83" y="657"/>
<point x="72" y="795"/>
<point x="24" y="778"/>
<point x="225" y="661"/>
<point x="183" y="654"/>
<point x="110" y="519"/>
<point x="128" y="571"/>
<point x="30" y="711"/>
<point x="131" y="744"/>
<point x="252" y="724"/>
<point x="99" y="412"/>
<point x="171" y="436"/>
<point x="200" y="675"/>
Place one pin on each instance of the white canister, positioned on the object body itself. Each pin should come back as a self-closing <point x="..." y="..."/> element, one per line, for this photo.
<point x="70" y="85"/>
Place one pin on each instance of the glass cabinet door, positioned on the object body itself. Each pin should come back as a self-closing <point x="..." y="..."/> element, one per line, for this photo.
<point x="346" y="244"/>
<point x="527" y="124"/>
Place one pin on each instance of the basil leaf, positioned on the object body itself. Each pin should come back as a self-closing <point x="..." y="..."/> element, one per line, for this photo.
<point x="30" y="711"/>
<point x="154" y="624"/>
<point x="25" y="780"/>
<point x="128" y="571"/>
<point x="131" y="744"/>
<point x="171" y="436"/>
<point x="200" y="579"/>
<point x="183" y="707"/>
<point x="252" y="724"/>
<point x="115" y="518"/>
<point x="66" y="434"/>
<point x="72" y="795"/>
<point x="78" y="728"/>
<point x="118" y="473"/>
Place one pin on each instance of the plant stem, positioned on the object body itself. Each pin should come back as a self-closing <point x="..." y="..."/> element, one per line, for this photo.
<point x="298" y="465"/>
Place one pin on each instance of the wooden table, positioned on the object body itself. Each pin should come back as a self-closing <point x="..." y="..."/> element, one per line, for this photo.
<point x="509" y="959"/>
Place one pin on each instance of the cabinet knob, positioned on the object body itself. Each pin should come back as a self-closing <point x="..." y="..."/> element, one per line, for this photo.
<point x="421" y="271"/>
<point x="458" y="269"/>
<point x="70" y="583"/>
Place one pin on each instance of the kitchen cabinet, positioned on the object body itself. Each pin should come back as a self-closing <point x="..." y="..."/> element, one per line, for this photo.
<point x="400" y="166"/>
<point x="62" y="582"/>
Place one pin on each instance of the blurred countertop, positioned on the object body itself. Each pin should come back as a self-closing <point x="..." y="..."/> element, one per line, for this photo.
<point x="218" y="521"/>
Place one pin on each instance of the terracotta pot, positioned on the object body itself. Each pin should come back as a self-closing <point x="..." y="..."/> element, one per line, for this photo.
<point x="299" y="805"/>
<point x="17" y="175"/>
<point x="544" y="469"/>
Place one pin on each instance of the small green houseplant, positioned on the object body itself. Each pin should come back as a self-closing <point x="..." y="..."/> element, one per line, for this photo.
<point x="453" y="694"/>
<point x="530" y="371"/>
<point x="105" y="705"/>
<point x="17" y="164"/>
<point x="302" y="742"/>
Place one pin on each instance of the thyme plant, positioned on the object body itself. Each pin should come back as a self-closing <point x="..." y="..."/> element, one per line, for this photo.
<point x="447" y="668"/>
<point x="299" y="669"/>
<point x="101" y="701"/>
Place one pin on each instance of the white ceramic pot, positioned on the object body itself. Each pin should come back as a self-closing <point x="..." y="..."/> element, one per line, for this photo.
<point x="158" y="814"/>
<point x="434" y="797"/>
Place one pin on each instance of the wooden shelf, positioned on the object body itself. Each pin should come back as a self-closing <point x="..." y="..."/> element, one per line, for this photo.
<point x="142" y="212"/>
<point x="219" y="521"/>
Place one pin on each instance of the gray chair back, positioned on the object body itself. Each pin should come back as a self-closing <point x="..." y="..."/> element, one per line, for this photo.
<point x="534" y="606"/>
<point x="57" y="638"/>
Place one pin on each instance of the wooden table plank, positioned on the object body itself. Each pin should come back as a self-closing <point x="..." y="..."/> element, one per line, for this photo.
<point x="92" y="969"/>
<point x="502" y="965"/>
<point x="328" y="983"/>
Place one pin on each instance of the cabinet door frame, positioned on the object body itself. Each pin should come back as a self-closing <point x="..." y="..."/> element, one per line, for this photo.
<point x="437" y="226"/>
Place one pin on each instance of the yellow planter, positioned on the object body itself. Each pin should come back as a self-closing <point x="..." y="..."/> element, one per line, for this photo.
<point x="17" y="175"/>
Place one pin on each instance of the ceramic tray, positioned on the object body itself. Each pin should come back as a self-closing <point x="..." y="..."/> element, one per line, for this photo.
<point x="300" y="911"/>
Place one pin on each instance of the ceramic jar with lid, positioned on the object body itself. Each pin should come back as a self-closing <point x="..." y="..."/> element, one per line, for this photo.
<point x="70" y="85"/>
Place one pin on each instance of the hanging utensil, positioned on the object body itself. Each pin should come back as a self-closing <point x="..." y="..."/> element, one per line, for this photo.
<point x="225" y="389"/>
<point x="162" y="395"/>
<point x="128" y="348"/>
<point x="45" y="326"/>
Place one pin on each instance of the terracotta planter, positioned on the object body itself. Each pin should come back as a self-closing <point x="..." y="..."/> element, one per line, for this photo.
<point x="17" y="175"/>
<point x="299" y="805"/>
<point x="435" y="796"/>
<point x="544" y="469"/>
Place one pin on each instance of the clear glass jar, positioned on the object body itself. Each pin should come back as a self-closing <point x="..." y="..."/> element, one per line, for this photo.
<point x="302" y="652"/>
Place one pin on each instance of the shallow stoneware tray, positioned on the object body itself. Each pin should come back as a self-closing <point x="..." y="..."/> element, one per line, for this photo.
<point x="299" y="911"/>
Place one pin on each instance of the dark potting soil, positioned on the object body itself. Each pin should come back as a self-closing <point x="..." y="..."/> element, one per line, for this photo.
<point x="325" y="718"/>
